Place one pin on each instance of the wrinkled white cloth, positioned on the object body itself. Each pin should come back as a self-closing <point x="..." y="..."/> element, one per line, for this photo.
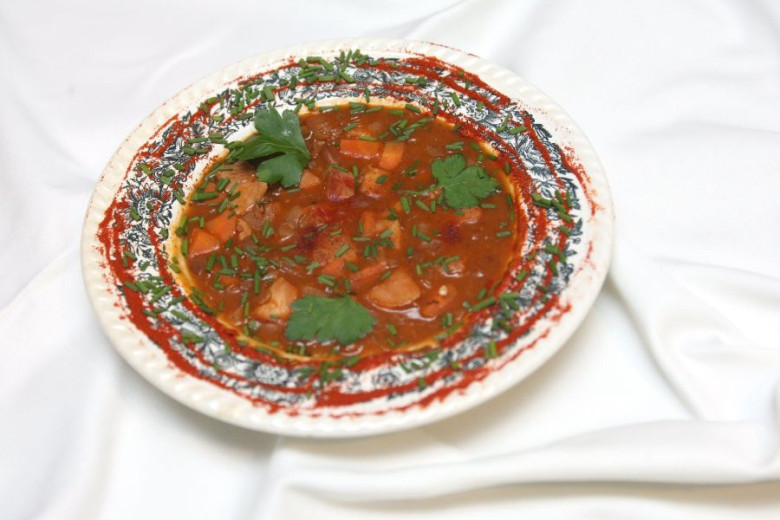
<point x="664" y="404"/>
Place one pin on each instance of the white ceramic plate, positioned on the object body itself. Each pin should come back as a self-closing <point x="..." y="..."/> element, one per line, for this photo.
<point x="125" y="245"/>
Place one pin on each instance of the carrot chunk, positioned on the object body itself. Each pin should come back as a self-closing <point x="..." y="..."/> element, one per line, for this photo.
<point x="359" y="148"/>
<point x="229" y="280"/>
<point x="202" y="242"/>
<point x="222" y="226"/>
<point x="392" y="154"/>
<point x="368" y="221"/>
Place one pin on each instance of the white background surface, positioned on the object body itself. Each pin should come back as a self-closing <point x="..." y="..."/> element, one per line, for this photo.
<point x="665" y="403"/>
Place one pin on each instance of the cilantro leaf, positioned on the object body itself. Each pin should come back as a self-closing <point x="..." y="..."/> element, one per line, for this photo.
<point x="463" y="185"/>
<point x="279" y="143"/>
<point x="324" y="319"/>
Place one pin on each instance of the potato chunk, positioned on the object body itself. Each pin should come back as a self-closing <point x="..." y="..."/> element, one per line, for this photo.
<point x="399" y="290"/>
<point x="244" y="230"/>
<point x="281" y="296"/>
<point x="250" y="194"/>
<point x="366" y="277"/>
<point x="326" y="250"/>
<point x="374" y="183"/>
<point x="309" y="180"/>
<point x="242" y="180"/>
<point x="394" y="233"/>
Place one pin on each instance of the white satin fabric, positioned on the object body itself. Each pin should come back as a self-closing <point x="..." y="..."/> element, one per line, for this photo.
<point x="664" y="404"/>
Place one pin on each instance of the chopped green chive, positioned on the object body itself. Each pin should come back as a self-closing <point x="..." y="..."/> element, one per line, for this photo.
<point x="386" y="233"/>
<point x="419" y="234"/>
<point x="541" y="201"/>
<point x="484" y="303"/>
<point x="210" y="263"/>
<point x="420" y="204"/>
<point x="491" y="350"/>
<point x="201" y="196"/>
<point x="327" y="280"/>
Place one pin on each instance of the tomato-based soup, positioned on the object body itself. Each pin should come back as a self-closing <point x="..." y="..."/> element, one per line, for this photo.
<point x="398" y="227"/>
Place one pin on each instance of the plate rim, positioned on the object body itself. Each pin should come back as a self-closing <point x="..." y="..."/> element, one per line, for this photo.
<point x="152" y="363"/>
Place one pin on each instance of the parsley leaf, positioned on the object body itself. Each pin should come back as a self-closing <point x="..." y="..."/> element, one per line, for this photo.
<point x="324" y="319"/>
<point x="281" y="145"/>
<point x="284" y="168"/>
<point x="463" y="185"/>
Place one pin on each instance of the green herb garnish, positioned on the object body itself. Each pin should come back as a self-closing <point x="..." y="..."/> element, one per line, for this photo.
<point x="325" y="319"/>
<point x="463" y="185"/>
<point x="280" y="144"/>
